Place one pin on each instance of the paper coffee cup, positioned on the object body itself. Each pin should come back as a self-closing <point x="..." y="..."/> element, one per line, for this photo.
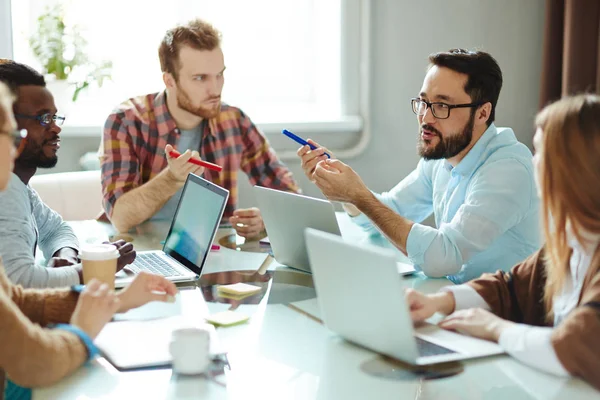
<point x="99" y="261"/>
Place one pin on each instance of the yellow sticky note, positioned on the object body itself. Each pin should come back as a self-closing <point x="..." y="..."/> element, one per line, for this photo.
<point x="226" y="318"/>
<point x="230" y="296"/>
<point x="239" y="289"/>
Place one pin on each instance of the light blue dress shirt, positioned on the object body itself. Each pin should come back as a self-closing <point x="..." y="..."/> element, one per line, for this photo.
<point x="486" y="209"/>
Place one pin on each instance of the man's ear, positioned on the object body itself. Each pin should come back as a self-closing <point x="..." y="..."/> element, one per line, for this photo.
<point x="483" y="114"/>
<point x="169" y="80"/>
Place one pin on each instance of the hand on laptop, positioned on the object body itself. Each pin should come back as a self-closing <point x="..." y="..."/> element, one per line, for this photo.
<point x="248" y="222"/>
<point x="96" y="306"/>
<point x="146" y="287"/>
<point x="179" y="168"/>
<point x="310" y="158"/>
<point x="476" y="322"/>
<point x="126" y="251"/>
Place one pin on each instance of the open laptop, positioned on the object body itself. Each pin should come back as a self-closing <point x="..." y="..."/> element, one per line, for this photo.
<point x="286" y="215"/>
<point x="190" y="237"/>
<point x="362" y="299"/>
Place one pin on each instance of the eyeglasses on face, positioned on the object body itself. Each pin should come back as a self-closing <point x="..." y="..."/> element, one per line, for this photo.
<point x="439" y="110"/>
<point x="44" y="119"/>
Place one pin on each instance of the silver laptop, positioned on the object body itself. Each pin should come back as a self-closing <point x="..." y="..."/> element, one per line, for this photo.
<point x="362" y="299"/>
<point x="286" y="215"/>
<point x="190" y="237"/>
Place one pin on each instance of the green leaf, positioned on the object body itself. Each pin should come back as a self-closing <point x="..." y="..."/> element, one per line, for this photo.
<point x="61" y="50"/>
<point x="78" y="89"/>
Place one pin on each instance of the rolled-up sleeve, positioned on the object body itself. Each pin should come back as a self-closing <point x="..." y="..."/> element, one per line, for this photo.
<point x="412" y="198"/>
<point x="119" y="161"/>
<point x="497" y="198"/>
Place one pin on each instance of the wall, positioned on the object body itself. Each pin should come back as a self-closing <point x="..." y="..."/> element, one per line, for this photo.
<point x="404" y="33"/>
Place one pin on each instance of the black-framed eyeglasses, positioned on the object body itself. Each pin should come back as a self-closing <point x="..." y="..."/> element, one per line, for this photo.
<point x="44" y="119"/>
<point x="18" y="136"/>
<point x="439" y="110"/>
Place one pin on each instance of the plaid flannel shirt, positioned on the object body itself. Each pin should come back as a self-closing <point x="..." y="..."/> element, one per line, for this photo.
<point x="136" y="133"/>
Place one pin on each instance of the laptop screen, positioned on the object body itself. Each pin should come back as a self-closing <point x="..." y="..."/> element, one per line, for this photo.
<point x="196" y="222"/>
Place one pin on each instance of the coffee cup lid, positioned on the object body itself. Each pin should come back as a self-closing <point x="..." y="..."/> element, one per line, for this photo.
<point x="98" y="252"/>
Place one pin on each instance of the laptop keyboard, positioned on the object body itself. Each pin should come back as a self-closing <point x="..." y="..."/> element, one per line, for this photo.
<point x="429" y="349"/>
<point x="154" y="263"/>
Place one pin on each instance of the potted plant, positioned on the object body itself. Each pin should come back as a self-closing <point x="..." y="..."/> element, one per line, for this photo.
<point x="61" y="51"/>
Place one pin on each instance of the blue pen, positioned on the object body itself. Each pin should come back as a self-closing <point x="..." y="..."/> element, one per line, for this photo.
<point x="301" y="141"/>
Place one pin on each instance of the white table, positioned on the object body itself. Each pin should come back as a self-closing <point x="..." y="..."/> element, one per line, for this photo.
<point x="285" y="352"/>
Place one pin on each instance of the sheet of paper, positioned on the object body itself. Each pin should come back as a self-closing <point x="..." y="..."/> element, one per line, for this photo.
<point x="152" y="310"/>
<point x="227" y="318"/>
<point x="405" y="269"/>
<point x="228" y="260"/>
<point x="265" y="240"/>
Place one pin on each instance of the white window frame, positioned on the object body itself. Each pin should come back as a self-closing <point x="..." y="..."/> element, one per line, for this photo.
<point x="6" y="41"/>
<point x="355" y="77"/>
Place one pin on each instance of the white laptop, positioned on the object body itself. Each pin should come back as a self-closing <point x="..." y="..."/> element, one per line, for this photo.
<point x="286" y="215"/>
<point x="361" y="297"/>
<point x="190" y="237"/>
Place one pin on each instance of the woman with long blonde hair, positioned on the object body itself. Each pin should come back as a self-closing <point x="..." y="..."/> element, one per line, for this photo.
<point x="546" y="311"/>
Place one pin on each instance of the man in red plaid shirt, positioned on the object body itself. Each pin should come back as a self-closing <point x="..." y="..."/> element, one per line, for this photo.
<point x="140" y="181"/>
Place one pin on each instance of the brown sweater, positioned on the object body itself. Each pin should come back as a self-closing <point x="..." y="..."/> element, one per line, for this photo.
<point x="29" y="354"/>
<point x="518" y="296"/>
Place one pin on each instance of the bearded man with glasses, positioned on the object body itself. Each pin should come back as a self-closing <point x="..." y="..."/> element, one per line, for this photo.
<point x="25" y="221"/>
<point x="475" y="178"/>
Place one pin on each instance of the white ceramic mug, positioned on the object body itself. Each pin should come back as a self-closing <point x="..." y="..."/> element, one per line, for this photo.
<point x="189" y="349"/>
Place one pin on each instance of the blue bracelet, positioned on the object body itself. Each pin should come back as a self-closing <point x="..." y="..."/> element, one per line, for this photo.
<point x="77" y="288"/>
<point x="87" y="341"/>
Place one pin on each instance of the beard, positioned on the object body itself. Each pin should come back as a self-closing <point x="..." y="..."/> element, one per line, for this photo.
<point x="185" y="103"/>
<point x="33" y="156"/>
<point x="447" y="147"/>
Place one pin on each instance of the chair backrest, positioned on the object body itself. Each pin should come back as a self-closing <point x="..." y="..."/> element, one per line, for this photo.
<point x="76" y="196"/>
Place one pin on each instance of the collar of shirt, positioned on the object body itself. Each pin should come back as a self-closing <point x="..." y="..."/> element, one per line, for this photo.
<point x="590" y="241"/>
<point x="472" y="159"/>
<point x="165" y="124"/>
<point x="16" y="181"/>
<point x="582" y="253"/>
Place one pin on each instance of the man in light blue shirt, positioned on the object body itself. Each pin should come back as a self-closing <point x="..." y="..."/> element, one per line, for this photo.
<point x="477" y="179"/>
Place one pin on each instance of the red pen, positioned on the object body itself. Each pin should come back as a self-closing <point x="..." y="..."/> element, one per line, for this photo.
<point x="197" y="161"/>
<point x="215" y="247"/>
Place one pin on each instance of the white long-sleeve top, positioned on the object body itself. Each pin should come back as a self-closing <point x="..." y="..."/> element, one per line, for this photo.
<point x="531" y="344"/>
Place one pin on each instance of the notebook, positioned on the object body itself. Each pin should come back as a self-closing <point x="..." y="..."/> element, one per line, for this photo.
<point x="142" y="344"/>
<point x="140" y="338"/>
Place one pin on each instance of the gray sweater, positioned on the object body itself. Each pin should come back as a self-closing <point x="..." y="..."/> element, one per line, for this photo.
<point x="26" y="222"/>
